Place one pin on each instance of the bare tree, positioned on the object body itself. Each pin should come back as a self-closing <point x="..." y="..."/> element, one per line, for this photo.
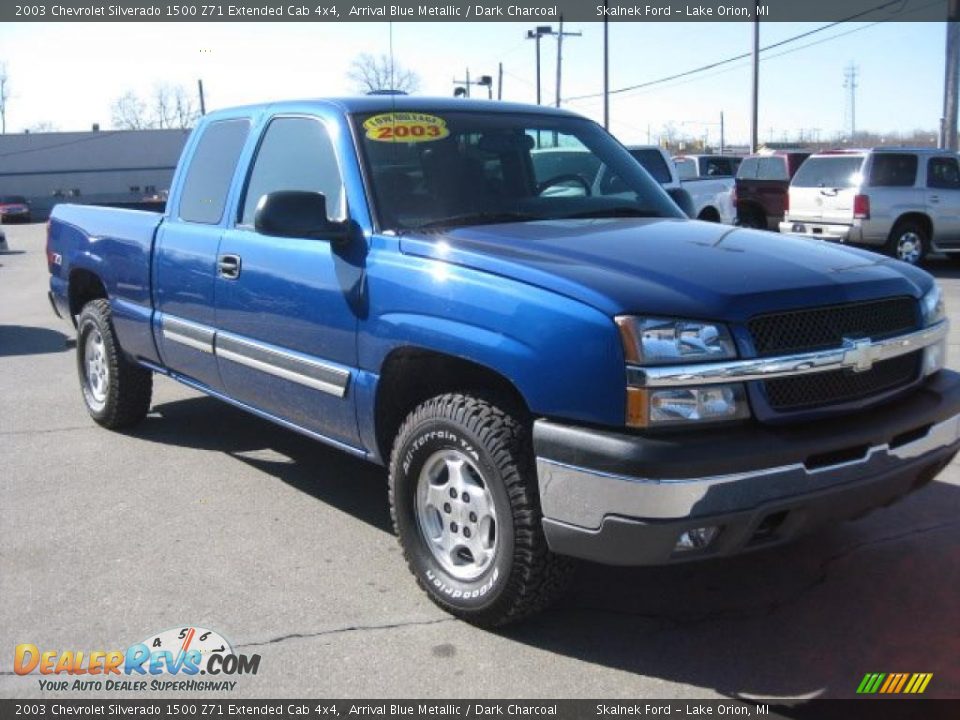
<point x="4" y="97"/>
<point x="170" y="106"/>
<point x="129" y="112"/>
<point x="371" y="74"/>
<point x="43" y="126"/>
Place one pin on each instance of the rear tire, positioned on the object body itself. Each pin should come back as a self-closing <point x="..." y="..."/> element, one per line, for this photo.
<point x="465" y="507"/>
<point x="115" y="390"/>
<point x="908" y="242"/>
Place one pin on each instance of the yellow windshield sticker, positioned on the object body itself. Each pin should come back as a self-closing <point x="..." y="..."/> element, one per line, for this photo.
<point x="405" y="127"/>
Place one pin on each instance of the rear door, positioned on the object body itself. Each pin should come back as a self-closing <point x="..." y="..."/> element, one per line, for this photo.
<point x="893" y="187"/>
<point x="287" y="308"/>
<point x="186" y="255"/>
<point x="824" y="187"/>
<point x="943" y="199"/>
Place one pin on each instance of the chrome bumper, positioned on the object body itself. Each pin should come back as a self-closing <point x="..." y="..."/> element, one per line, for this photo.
<point x="583" y="497"/>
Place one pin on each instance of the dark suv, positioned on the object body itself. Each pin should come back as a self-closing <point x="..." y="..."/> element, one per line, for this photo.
<point x="761" y="191"/>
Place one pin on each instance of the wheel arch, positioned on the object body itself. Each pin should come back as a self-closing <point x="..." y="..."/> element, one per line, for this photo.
<point x="411" y="375"/>
<point x="83" y="286"/>
<point x="916" y="216"/>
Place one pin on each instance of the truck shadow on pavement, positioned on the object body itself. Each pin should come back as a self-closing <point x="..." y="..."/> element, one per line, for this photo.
<point x="26" y="340"/>
<point x="347" y="483"/>
<point x="807" y="619"/>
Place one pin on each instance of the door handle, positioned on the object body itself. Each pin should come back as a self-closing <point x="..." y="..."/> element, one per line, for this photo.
<point x="228" y="266"/>
<point x="934" y="198"/>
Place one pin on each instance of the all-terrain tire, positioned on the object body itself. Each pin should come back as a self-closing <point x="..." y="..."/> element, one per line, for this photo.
<point x="458" y="441"/>
<point x="115" y="390"/>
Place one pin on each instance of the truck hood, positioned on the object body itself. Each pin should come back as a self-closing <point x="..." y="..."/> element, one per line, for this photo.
<point x="672" y="267"/>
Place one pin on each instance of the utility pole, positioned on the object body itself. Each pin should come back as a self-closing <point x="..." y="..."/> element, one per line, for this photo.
<point x="500" y="82"/>
<point x="606" y="69"/>
<point x="850" y="83"/>
<point x="721" y="132"/>
<point x="203" y="104"/>
<point x="951" y="75"/>
<point x="535" y="35"/>
<point x="755" y="94"/>
<point x="560" y="35"/>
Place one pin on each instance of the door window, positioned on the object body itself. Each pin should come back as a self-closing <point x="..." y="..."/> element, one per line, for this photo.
<point x="211" y="170"/>
<point x="296" y="153"/>
<point x="943" y="173"/>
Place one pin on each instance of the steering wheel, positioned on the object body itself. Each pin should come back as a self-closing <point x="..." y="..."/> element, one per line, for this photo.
<point x="566" y="177"/>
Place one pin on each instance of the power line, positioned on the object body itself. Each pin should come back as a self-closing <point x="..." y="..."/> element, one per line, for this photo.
<point x="742" y="56"/>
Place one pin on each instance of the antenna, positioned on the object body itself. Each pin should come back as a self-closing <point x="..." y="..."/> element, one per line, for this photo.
<point x="850" y="84"/>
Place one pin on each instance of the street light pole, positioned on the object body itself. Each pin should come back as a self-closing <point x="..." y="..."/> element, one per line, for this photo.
<point x="535" y="35"/>
<point x="948" y="139"/>
<point x="606" y="69"/>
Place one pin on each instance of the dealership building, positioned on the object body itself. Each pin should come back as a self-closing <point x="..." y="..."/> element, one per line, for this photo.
<point x="116" y="167"/>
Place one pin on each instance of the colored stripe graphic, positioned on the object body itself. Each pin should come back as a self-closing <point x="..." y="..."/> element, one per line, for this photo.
<point x="894" y="683"/>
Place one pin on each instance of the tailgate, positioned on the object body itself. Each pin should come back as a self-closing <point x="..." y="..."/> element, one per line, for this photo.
<point x="824" y="187"/>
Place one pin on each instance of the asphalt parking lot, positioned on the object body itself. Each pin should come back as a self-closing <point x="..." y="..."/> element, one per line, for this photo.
<point x="206" y="516"/>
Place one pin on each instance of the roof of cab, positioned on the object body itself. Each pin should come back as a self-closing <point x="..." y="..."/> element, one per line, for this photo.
<point x="409" y="103"/>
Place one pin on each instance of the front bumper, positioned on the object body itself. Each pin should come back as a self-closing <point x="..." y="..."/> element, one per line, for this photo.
<point x="626" y="499"/>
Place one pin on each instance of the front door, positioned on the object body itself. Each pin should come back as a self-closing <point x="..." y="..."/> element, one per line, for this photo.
<point x="287" y="307"/>
<point x="943" y="200"/>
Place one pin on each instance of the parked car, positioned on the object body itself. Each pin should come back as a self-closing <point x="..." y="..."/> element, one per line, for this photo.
<point x="903" y="201"/>
<point x="710" y="181"/>
<point x="545" y="376"/>
<point x="762" y="183"/>
<point x="702" y="199"/>
<point x="14" y="208"/>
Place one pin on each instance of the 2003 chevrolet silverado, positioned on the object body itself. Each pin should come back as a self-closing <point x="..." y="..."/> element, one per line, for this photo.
<point x="547" y="371"/>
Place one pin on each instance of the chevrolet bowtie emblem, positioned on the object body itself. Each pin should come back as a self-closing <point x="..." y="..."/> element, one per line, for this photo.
<point x="860" y="354"/>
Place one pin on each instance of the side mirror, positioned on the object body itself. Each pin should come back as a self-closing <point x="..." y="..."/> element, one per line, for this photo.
<point x="683" y="200"/>
<point x="297" y="213"/>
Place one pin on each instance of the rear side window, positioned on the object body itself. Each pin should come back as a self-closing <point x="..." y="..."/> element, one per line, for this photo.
<point x="772" y="168"/>
<point x="717" y="167"/>
<point x="748" y="169"/>
<point x="295" y="154"/>
<point x="830" y="171"/>
<point x="943" y="173"/>
<point x="893" y="170"/>
<point x="653" y="163"/>
<point x="211" y="170"/>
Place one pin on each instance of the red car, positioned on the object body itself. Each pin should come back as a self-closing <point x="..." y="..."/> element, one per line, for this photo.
<point x="14" y="208"/>
<point x="761" y="190"/>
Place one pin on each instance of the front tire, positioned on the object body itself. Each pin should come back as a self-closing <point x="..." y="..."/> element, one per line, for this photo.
<point x="908" y="242"/>
<point x="115" y="390"/>
<point x="465" y="507"/>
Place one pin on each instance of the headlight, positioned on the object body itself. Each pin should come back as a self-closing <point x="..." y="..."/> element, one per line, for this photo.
<point x="663" y="341"/>
<point x="933" y="307"/>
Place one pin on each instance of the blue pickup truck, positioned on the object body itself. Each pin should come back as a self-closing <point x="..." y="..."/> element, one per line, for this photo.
<point x="547" y="371"/>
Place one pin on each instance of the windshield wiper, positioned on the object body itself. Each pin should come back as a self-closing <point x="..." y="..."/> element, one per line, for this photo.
<point x="613" y="212"/>
<point x="480" y="218"/>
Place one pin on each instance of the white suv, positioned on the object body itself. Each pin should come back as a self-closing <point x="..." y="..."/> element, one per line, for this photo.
<point x="903" y="200"/>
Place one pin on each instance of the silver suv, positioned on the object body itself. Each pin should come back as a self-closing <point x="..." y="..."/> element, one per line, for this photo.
<point x="903" y="200"/>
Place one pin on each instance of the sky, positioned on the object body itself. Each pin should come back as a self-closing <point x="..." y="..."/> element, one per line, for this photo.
<point x="67" y="75"/>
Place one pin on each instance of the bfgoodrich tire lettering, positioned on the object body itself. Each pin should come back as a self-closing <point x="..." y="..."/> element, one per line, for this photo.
<point x="460" y="441"/>
<point x="115" y="390"/>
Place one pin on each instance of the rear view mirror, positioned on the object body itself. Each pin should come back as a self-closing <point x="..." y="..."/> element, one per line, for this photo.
<point x="683" y="200"/>
<point x="299" y="214"/>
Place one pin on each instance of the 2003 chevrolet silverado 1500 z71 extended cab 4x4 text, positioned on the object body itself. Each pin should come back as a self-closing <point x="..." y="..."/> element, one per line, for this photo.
<point x="546" y="374"/>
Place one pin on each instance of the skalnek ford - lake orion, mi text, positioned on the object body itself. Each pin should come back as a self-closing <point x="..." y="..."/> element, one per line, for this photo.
<point x="682" y="11"/>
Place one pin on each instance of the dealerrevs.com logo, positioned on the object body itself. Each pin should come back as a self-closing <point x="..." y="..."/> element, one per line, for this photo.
<point x="172" y="660"/>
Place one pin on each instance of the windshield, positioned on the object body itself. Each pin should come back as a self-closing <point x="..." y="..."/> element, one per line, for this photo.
<point x="443" y="169"/>
<point x="837" y="171"/>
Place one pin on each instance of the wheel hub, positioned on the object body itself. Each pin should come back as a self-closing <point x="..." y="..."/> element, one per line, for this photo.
<point x="96" y="372"/>
<point x="456" y="514"/>
<point x="908" y="247"/>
